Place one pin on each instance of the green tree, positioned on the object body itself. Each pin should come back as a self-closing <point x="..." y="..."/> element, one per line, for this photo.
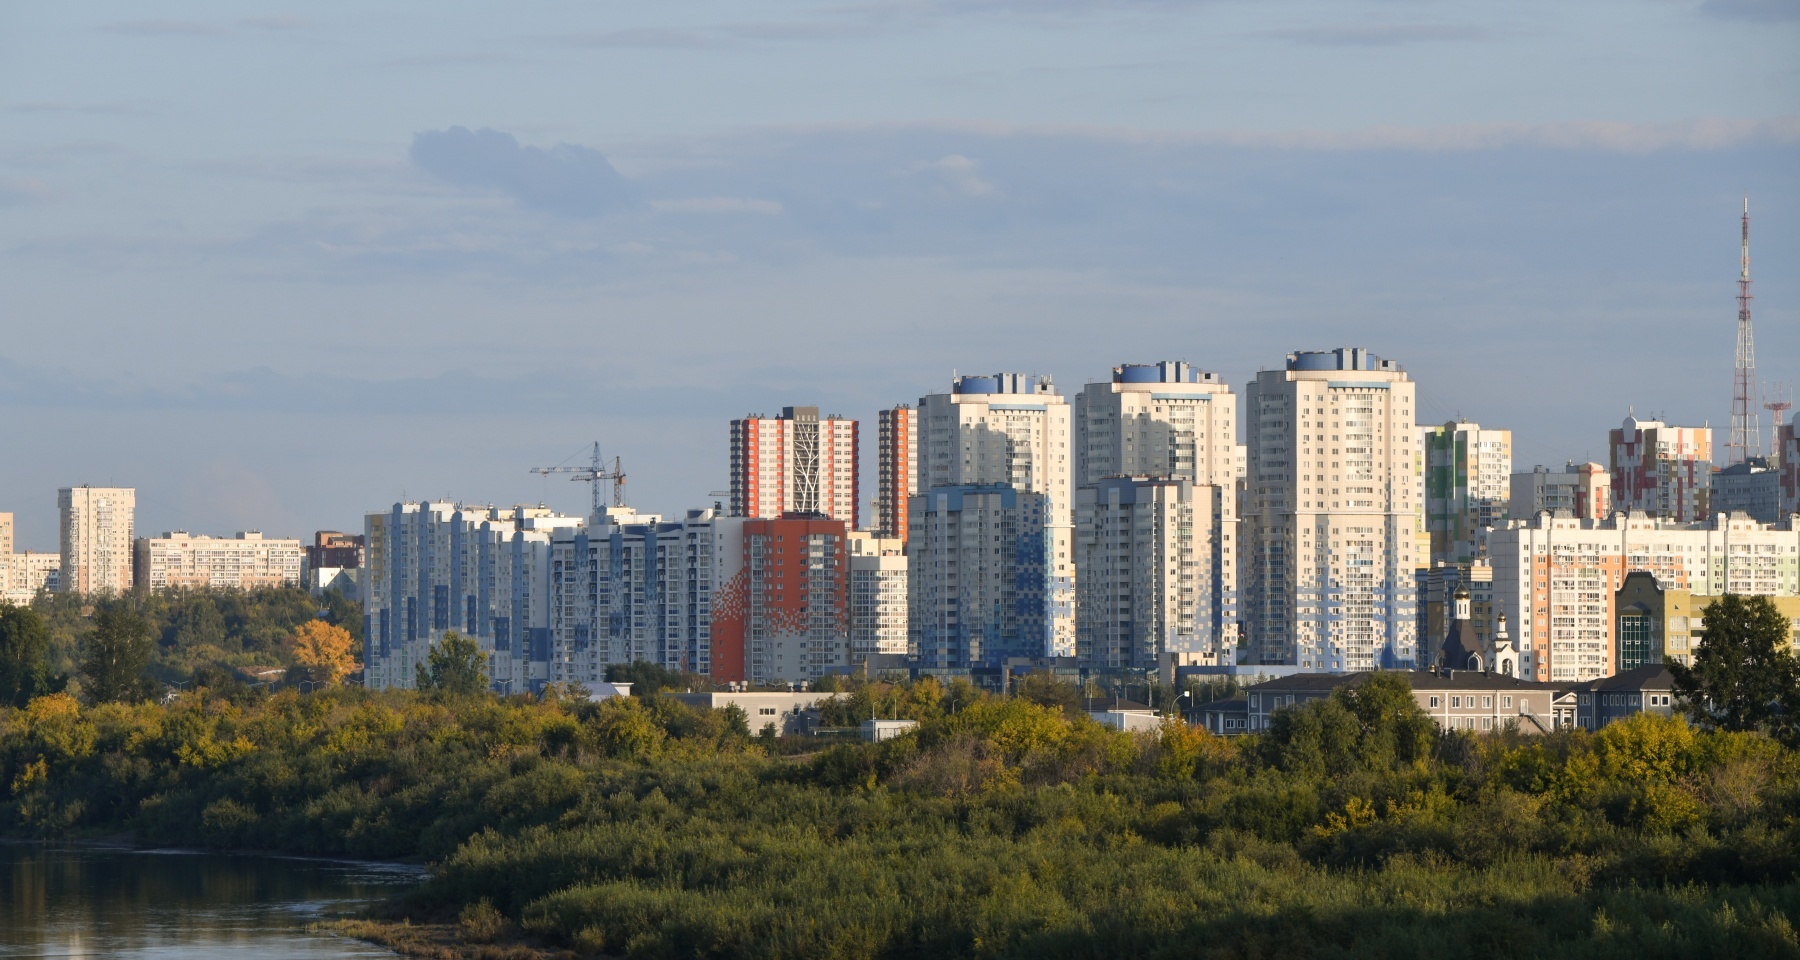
<point x="455" y="666"/>
<point x="1744" y="676"/>
<point x="196" y="622"/>
<point x="116" y="655"/>
<point x="24" y="656"/>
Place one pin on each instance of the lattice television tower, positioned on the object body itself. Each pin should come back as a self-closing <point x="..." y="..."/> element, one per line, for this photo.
<point x="1746" y="435"/>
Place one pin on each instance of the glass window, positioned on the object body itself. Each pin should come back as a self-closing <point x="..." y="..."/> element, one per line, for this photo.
<point x="1434" y="701"/>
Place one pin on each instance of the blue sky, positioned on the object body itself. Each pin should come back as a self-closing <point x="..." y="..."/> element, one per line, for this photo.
<point x="277" y="266"/>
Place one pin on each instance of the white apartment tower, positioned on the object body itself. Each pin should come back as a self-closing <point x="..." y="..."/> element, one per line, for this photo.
<point x="1158" y="420"/>
<point x="877" y="596"/>
<point x="1157" y="564"/>
<point x="795" y="463"/>
<point x="994" y="454"/>
<point x="1330" y="514"/>
<point x="242" y="562"/>
<point x="1158" y="463"/>
<point x="97" y="534"/>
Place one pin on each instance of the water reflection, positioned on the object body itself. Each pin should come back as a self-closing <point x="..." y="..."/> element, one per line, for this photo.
<point x="89" y="902"/>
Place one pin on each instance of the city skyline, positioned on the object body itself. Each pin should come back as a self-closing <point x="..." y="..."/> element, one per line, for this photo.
<point x="401" y="227"/>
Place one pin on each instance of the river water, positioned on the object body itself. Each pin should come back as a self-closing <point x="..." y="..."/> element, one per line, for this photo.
<point x="168" y="904"/>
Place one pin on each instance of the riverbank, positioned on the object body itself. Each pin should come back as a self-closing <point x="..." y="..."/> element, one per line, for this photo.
<point x="442" y="941"/>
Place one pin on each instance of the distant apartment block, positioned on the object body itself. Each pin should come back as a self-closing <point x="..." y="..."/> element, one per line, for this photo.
<point x="6" y="536"/>
<point x="1582" y="491"/>
<point x="481" y="571"/>
<point x="1788" y="447"/>
<point x="1664" y="471"/>
<point x="878" y="575"/>
<point x="795" y="463"/>
<point x="24" y="574"/>
<point x="1468" y="479"/>
<point x="1157" y="562"/>
<point x="182" y="560"/>
<point x="96" y="527"/>
<point x="896" y="469"/>
<point x="1165" y="419"/>
<point x="1330" y="515"/>
<point x="1751" y="487"/>
<point x="798" y="623"/>
<point x="994" y="456"/>
<point x="1556" y="578"/>
<point x="334" y="561"/>
<point x="982" y="587"/>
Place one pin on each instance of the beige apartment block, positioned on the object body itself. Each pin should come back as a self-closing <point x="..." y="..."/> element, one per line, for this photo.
<point x="22" y="575"/>
<point x="1330" y="514"/>
<point x="1558" y="578"/>
<point x="96" y="532"/>
<point x="877" y="596"/>
<point x="181" y="559"/>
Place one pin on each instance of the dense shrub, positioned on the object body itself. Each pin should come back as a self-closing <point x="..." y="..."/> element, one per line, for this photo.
<point x="1004" y="827"/>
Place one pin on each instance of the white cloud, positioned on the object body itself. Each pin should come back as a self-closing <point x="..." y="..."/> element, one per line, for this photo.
<point x="963" y="175"/>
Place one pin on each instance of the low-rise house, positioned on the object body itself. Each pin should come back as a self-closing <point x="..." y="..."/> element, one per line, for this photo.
<point x="1127" y="715"/>
<point x="1456" y="699"/>
<point x="1224" y="717"/>
<point x="791" y="714"/>
<point x="1647" y="689"/>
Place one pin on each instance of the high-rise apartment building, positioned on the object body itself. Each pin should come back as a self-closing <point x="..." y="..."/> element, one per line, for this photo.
<point x="989" y="437"/>
<point x="896" y="469"/>
<point x="29" y="572"/>
<point x="6" y="536"/>
<point x="1580" y="490"/>
<point x="242" y="562"/>
<point x="736" y="599"/>
<point x="1751" y="487"/>
<point x="481" y="571"/>
<point x="1556" y="577"/>
<point x="878" y="571"/>
<point x="1157" y="573"/>
<point x="97" y="534"/>
<point x="982" y="583"/>
<point x="1330" y="514"/>
<point x="1468" y="477"/>
<point x="798" y="623"/>
<point x="1662" y="470"/>
<point x="795" y="463"/>
<point x="1158" y="420"/>
<point x="1007" y="428"/>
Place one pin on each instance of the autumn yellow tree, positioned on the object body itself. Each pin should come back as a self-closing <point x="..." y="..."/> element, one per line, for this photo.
<point x="322" y="650"/>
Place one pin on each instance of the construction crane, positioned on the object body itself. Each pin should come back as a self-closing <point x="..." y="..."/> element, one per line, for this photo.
<point x="593" y="473"/>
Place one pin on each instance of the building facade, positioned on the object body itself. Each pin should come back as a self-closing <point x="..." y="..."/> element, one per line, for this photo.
<point x="994" y="457"/>
<point x="1583" y="491"/>
<point x="1157" y="573"/>
<point x="1653" y="624"/>
<point x="24" y="574"/>
<point x="1330" y="514"/>
<point x="896" y="469"/>
<point x="481" y="571"/>
<point x="1751" y="487"/>
<point x="798" y="462"/>
<point x="1158" y="420"/>
<point x="1468" y="484"/>
<point x="97" y="532"/>
<point x="1557" y="578"/>
<point x="878" y="574"/>
<point x="179" y="559"/>
<point x="798" y="623"/>
<point x="982" y="586"/>
<point x="1661" y="470"/>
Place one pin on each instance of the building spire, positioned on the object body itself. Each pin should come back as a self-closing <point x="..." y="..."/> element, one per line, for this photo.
<point x="1746" y="433"/>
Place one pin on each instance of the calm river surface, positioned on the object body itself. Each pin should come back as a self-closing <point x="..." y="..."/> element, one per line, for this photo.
<point x="167" y="904"/>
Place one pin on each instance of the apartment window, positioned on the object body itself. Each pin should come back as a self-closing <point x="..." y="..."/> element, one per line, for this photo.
<point x="765" y="711"/>
<point x="1487" y="723"/>
<point x="1455" y="702"/>
<point x="1506" y="703"/>
<point x="1434" y="702"/>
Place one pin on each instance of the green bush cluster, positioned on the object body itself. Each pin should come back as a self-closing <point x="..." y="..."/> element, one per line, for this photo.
<point x="1003" y="827"/>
